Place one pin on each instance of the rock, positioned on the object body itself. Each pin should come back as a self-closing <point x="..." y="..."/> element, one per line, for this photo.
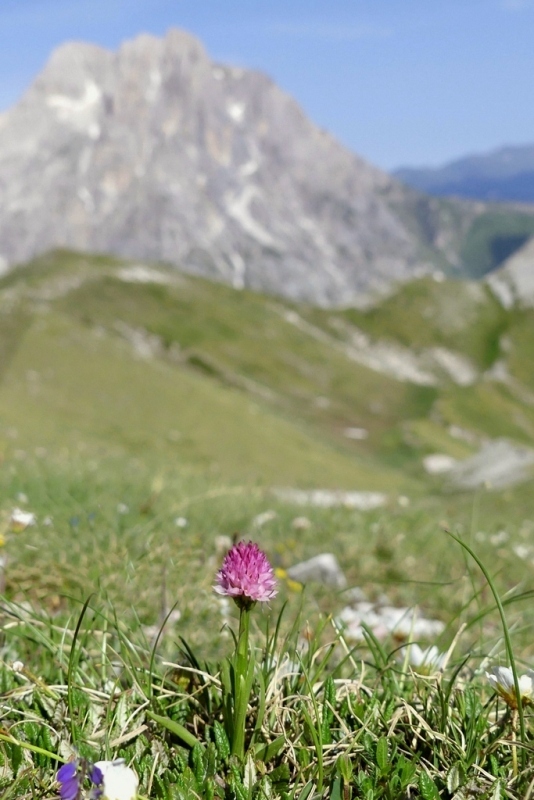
<point x="499" y="463"/>
<point x="328" y="498"/>
<point x="323" y="568"/>
<point x="385" y="620"/>
<point x="438" y="463"/>
<point x="358" y="434"/>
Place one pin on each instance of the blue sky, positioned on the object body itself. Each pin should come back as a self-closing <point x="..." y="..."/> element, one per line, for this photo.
<point x="398" y="81"/>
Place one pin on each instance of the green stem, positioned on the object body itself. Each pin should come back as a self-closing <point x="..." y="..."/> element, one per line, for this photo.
<point x="507" y="642"/>
<point x="241" y="683"/>
<point x="32" y="747"/>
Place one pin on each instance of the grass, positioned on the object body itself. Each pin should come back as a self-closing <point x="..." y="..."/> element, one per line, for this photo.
<point x="493" y="236"/>
<point x="350" y="719"/>
<point x="459" y="315"/>
<point x="141" y="468"/>
<point x="243" y="385"/>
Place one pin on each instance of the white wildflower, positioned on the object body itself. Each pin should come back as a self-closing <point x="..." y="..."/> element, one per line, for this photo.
<point x="262" y="519"/>
<point x="426" y="661"/>
<point x="222" y="544"/>
<point x="502" y="680"/>
<point x="119" y="781"/>
<point x="20" y="520"/>
<point x="522" y="551"/>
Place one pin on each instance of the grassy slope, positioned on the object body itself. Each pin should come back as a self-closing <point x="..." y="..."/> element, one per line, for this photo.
<point x="73" y="381"/>
<point x="68" y="386"/>
<point x="236" y="387"/>
<point x="135" y="559"/>
<point x="459" y="315"/>
<point x="131" y="445"/>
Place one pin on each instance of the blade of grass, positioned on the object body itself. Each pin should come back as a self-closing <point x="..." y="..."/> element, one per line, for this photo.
<point x="507" y="638"/>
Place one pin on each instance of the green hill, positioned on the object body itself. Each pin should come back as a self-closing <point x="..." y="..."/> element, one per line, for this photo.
<point x="103" y="356"/>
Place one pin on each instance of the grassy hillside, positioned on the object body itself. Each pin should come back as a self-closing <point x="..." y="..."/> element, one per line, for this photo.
<point x="106" y="356"/>
<point x="145" y="417"/>
<point x="493" y="237"/>
<point x="76" y="378"/>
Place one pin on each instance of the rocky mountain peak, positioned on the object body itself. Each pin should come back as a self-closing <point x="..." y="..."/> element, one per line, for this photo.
<point x="156" y="152"/>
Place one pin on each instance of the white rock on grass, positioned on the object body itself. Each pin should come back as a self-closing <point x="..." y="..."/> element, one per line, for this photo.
<point x="384" y="620"/>
<point x="438" y="463"/>
<point x="358" y="434"/>
<point x="328" y="498"/>
<point x="142" y="273"/>
<point x="323" y="568"/>
<point x="498" y="464"/>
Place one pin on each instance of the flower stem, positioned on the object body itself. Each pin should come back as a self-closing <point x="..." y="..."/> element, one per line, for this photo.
<point x="241" y="682"/>
<point x="514" y="746"/>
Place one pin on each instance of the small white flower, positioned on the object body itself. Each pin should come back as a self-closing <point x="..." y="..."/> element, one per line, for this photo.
<point x="522" y="551"/>
<point x="301" y="524"/>
<point x="222" y="544"/>
<point x="119" y="781"/>
<point x="262" y="519"/>
<point x="17" y="666"/>
<point x="20" y="520"/>
<point x="122" y="508"/>
<point x="502" y="680"/>
<point x="426" y="661"/>
<point x="181" y="522"/>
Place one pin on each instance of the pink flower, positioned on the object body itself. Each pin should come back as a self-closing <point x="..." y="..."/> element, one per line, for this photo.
<point x="246" y="575"/>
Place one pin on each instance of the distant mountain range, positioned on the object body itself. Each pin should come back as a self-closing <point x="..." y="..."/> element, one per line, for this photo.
<point x="155" y="152"/>
<point x="503" y="175"/>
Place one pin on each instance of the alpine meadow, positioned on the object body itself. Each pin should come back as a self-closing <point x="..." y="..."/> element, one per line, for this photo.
<point x="266" y="453"/>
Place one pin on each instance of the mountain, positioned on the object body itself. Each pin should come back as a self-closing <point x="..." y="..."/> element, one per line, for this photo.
<point x="505" y="175"/>
<point x="513" y="283"/>
<point x="155" y="152"/>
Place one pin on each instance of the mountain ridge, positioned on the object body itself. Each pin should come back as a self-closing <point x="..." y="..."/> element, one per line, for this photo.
<point x="156" y="152"/>
<point x="505" y="174"/>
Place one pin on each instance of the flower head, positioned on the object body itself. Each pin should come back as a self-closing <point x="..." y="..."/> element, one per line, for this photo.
<point x="246" y="575"/>
<point x="20" y="520"/>
<point x="69" y="781"/>
<point x="119" y="782"/>
<point x="426" y="662"/>
<point x="502" y="680"/>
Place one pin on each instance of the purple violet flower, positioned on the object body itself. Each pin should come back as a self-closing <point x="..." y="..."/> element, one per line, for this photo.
<point x="71" y="777"/>
<point x="69" y="783"/>
<point x="97" y="778"/>
<point x="246" y="575"/>
<point x="95" y="775"/>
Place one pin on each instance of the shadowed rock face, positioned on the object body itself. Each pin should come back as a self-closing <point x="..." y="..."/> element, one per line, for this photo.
<point x="155" y="152"/>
